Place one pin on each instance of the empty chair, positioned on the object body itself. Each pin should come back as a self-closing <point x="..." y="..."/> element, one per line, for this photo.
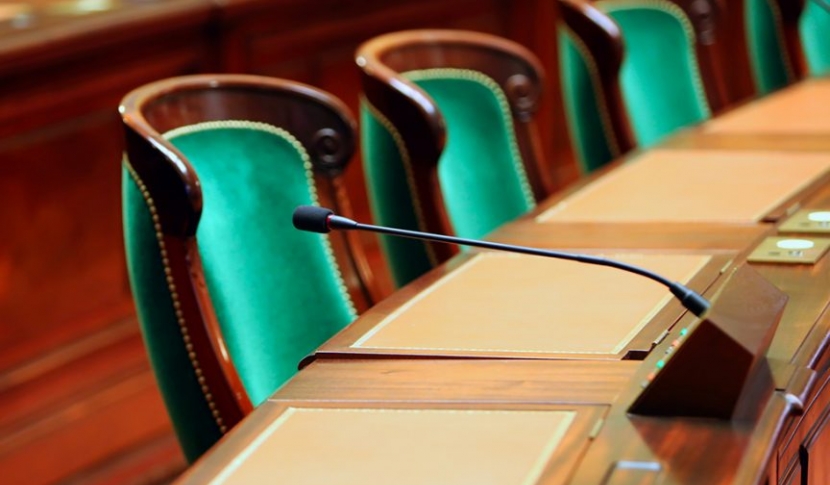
<point x="230" y="297"/>
<point x="669" y="75"/>
<point x="448" y="138"/>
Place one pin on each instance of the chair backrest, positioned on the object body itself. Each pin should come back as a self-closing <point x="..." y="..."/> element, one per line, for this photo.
<point x="666" y="81"/>
<point x="814" y="28"/>
<point x="590" y="56"/>
<point x="772" y="41"/>
<point x="448" y="138"/>
<point x="230" y="297"/>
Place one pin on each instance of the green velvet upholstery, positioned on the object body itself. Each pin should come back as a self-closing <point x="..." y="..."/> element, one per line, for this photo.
<point x="659" y="79"/>
<point x="257" y="267"/>
<point x="195" y="426"/>
<point x="480" y="171"/>
<point x="589" y="127"/>
<point x="765" y="42"/>
<point x="815" y="36"/>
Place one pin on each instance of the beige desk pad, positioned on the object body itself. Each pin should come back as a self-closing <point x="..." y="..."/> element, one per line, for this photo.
<point x="510" y="303"/>
<point x="803" y="109"/>
<point x="692" y="186"/>
<point x="316" y="446"/>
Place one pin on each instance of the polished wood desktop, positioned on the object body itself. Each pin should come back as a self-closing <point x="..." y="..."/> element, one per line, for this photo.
<point x="588" y="436"/>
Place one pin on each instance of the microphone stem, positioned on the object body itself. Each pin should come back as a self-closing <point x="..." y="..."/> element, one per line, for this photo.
<point x="688" y="297"/>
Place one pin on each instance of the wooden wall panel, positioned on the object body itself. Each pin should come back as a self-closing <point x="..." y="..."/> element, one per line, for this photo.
<point x="75" y="384"/>
<point x="62" y="271"/>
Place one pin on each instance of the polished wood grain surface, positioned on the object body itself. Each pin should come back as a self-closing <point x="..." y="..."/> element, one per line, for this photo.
<point x="459" y="380"/>
<point x="780" y="439"/>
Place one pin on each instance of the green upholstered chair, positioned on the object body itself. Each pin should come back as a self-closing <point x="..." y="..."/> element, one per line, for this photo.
<point x="448" y="138"/>
<point x="230" y="297"/>
<point x="590" y="55"/>
<point x="772" y="30"/>
<point x="668" y="76"/>
<point x="814" y="28"/>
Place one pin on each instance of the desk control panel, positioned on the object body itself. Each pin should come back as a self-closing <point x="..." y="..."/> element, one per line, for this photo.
<point x="790" y="250"/>
<point x="716" y="367"/>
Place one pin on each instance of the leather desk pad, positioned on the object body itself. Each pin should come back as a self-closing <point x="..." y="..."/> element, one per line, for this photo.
<point x="692" y="186"/>
<point x="368" y="446"/>
<point x="801" y="109"/>
<point x="498" y="303"/>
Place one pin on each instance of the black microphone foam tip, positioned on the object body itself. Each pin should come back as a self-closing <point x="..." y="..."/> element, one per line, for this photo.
<point x="312" y="218"/>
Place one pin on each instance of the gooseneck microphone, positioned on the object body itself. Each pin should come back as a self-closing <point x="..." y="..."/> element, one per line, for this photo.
<point x="322" y="220"/>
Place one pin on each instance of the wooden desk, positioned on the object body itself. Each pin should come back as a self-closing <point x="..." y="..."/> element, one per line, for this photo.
<point x="783" y="442"/>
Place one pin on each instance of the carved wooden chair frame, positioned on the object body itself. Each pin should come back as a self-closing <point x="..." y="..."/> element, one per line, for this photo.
<point x="415" y="122"/>
<point x="172" y="191"/>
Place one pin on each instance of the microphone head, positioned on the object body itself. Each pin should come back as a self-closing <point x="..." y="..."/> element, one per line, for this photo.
<point x="312" y="218"/>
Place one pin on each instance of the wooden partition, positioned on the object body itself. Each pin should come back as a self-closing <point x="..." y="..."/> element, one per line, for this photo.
<point x="72" y="365"/>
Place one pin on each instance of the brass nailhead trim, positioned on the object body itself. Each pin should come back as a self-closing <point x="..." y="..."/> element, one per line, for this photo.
<point x="172" y="288"/>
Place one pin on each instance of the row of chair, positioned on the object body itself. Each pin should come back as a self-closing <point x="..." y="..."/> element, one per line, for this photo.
<point x="636" y="70"/>
<point x="231" y="298"/>
<point x="633" y="71"/>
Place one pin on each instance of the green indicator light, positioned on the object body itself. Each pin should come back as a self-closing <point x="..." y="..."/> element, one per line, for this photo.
<point x="683" y="332"/>
<point x="660" y="364"/>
